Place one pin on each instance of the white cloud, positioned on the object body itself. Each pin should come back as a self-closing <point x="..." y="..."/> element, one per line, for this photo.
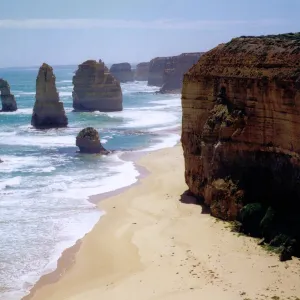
<point x="132" y="24"/>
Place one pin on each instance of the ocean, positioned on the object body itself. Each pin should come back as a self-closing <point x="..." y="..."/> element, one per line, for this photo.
<point x="45" y="183"/>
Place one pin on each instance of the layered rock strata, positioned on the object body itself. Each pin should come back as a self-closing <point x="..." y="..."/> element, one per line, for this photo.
<point x="122" y="72"/>
<point x="88" y="141"/>
<point x="142" y="71"/>
<point x="8" y="100"/>
<point x="174" y="71"/>
<point x="241" y="134"/>
<point x="95" y="89"/>
<point x="48" y="111"/>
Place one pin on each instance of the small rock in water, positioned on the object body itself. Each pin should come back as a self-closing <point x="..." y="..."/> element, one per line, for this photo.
<point x="88" y="141"/>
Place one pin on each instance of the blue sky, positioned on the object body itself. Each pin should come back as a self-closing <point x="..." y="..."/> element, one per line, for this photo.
<point x="71" y="31"/>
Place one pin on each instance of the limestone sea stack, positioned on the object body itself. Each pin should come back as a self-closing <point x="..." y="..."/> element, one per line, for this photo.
<point x="95" y="89"/>
<point x="48" y="111"/>
<point x="175" y="69"/>
<point x="142" y="71"/>
<point x="88" y="141"/>
<point x="241" y="135"/>
<point x="122" y="72"/>
<point x="8" y="100"/>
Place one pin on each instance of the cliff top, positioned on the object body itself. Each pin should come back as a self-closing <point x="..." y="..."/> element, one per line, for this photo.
<point x="272" y="57"/>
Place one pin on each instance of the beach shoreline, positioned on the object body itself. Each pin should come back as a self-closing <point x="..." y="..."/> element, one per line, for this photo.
<point x="152" y="233"/>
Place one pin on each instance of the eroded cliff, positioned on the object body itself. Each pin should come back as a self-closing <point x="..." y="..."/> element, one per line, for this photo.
<point x="142" y="71"/>
<point x="241" y="133"/>
<point x="174" y="71"/>
<point x="167" y="72"/>
<point x="95" y="88"/>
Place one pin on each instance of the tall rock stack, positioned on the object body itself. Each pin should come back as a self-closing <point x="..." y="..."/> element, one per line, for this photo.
<point x="8" y="100"/>
<point x="142" y="71"/>
<point x="48" y="111"/>
<point x="122" y="72"/>
<point x="95" y="89"/>
<point x="241" y="134"/>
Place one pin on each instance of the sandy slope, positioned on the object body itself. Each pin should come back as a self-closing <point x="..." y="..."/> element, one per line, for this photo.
<point x="150" y="245"/>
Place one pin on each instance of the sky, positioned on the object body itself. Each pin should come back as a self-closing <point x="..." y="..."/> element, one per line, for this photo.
<point x="64" y="32"/>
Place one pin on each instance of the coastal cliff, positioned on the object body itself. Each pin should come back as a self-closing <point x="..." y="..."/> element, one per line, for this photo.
<point x="167" y="72"/>
<point x="8" y="100"/>
<point x="122" y="72"/>
<point x="48" y="111"/>
<point x="241" y="134"/>
<point x="95" y="88"/>
<point x="174" y="71"/>
<point x="142" y="71"/>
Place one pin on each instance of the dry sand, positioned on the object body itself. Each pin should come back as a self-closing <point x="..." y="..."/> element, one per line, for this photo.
<point x="151" y="244"/>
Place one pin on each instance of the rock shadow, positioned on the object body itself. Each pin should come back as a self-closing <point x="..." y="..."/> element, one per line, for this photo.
<point x="188" y="197"/>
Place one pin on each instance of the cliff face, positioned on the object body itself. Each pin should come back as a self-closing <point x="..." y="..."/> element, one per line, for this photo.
<point x="48" y="111"/>
<point x="142" y="71"/>
<point x="174" y="71"/>
<point x="241" y="128"/>
<point x="8" y="100"/>
<point x="167" y="72"/>
<point x="122" y="72"/>
<point x="95" y="88"/>
<point x="156" y="71"/>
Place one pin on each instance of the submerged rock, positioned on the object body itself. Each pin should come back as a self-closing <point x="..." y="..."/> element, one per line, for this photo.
<point x="95" y="89"/>
<point x="88" y="141"/>
<point x="142" y="71"/>
<point x="8" y="100"/>
<point x="122" y="72"/>
<point x="48" y="111"/>
<point x="241" y="124"/>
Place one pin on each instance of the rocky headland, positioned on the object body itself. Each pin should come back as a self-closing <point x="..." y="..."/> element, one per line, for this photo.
<point x="241" y="136"/>
<point x="88" y="141"/>
<point x="48" y="111"/>
<point x="122" y="72"/>
<point x="8" y="100"/>
<point x="175" y="69"/>
<point x="167" y="72"/>
<point x="142" y="71"/>
<point x="95" y="89"/>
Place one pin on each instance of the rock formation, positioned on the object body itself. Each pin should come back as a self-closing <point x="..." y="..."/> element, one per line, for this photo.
<point x="48" y="111"/>
<point x="167" y="72"/>
<point x="8" y="100"/>
<point x="95" y="88"/>
<point x="142" y="71"/>
<point x="241" y="135"/>
<point x="156" y="71"/>
<point x="88" y="141"/>
<point x="122" y="72"/>
<point x="174" y="71"/>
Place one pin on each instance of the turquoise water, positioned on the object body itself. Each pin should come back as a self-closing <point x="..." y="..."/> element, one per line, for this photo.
<point x="45" y="182"/>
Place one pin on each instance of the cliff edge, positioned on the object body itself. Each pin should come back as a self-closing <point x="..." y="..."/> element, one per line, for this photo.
<point x="241" y="134"/>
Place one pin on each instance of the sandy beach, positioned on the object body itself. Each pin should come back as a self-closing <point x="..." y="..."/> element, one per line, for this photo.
<point x="154" y="243"/>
